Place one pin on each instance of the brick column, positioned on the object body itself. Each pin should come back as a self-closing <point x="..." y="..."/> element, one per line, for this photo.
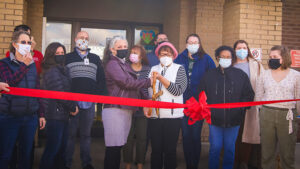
<point x="259" y="22"/>
<point x="11" y="14"/>
<point x="35" y="14"/>
<point x="290" y="24"/>
<point x="209" y="24"/>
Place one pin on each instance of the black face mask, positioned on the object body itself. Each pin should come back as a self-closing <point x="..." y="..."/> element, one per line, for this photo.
<point x="274" y="64"/>
<point x="60" y="59"/>
<point x="122" y="53"/>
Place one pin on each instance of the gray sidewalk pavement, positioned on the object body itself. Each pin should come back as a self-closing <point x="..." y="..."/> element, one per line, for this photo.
<point x="97" y="152"/>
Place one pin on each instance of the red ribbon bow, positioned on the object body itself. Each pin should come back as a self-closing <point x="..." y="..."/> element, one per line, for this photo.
<point x="197" y="111"/>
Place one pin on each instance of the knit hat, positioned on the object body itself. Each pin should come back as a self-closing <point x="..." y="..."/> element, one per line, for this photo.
<point x="169" y="45"/>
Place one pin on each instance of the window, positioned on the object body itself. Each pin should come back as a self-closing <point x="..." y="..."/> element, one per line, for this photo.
<point x="98" y="38"/>
<point x="58" y="32"/>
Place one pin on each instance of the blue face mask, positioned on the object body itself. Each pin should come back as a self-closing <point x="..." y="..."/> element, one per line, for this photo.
<point x="225" y="63"/>
<point x="242" y="53"/>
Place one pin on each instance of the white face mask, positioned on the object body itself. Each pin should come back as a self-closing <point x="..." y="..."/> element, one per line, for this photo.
<point x="23" y="48"/>
<point x="82" y="44"/>
<point x="225" y="63"/>
<point x="166" y="61"/>
<point x="193" y="48"/>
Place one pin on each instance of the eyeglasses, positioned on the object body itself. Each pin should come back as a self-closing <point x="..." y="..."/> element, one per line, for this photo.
<point x="25" y="42"/>
<point x="162" y="39"/>
<point x="193" y="43"/>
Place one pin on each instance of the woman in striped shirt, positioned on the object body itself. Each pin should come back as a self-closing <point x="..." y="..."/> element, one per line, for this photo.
<point x="164" y="125"/>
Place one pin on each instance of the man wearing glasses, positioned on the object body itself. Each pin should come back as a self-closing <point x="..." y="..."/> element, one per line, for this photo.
<point x="87" y="76"/>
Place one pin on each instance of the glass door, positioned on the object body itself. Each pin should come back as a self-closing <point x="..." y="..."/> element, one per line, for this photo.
<point x="99" y="38"/>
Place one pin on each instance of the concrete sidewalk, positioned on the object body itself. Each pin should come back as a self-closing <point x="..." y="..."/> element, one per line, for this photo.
<point x="97" y="152"/>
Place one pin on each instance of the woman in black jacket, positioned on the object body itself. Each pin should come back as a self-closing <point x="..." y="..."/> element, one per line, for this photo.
<point x="56" y="77"/>
<point x="225" y="84"/>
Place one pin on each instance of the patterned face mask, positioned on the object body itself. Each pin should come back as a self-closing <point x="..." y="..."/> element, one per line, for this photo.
<point x="82" y="44"/>
<point x="23" y="48"/>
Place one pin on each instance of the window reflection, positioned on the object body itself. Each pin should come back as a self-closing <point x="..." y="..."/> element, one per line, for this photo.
<point x="98" y="38"/>
<point x="59" y="32"/>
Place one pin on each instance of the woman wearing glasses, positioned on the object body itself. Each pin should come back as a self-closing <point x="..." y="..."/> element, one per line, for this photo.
<point x="195" y="62"/>
<point x="18" y="114"/>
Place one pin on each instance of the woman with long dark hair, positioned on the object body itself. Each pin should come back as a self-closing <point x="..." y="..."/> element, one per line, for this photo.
<point x="248" y="141"/>
<point x="56" y="77"/>
<point x="196" y="62"/>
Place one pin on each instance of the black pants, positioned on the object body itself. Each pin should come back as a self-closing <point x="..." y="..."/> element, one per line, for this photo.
<point x="112" y="157"/>
<point x="164" y="136"/>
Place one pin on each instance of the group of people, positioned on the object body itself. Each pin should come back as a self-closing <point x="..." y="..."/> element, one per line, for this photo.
<point x="162" y="75"/>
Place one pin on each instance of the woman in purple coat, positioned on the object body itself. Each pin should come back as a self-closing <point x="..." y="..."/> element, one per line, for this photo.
<point x="121" y="81"/>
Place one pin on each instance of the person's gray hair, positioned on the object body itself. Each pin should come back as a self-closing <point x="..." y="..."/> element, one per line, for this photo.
<point x="113" y="41"/>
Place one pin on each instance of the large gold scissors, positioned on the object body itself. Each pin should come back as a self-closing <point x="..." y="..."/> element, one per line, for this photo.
<point x="155" y="95"/>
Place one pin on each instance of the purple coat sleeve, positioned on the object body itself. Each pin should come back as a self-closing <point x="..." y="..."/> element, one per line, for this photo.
<point x="124" y="79"/>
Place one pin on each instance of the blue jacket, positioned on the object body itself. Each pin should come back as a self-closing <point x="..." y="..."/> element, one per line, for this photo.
<point x="201" y="65"/>
<point x="20" y="105"/>
<point x="152" y="58"/>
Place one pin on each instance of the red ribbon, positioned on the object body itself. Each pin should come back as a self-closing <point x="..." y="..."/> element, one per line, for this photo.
<point x="194" y="110"/>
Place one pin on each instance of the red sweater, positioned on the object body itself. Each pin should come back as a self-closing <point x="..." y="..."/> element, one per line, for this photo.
<point x="37" y="57"/>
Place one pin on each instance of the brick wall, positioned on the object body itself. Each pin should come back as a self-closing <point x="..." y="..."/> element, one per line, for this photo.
<point x="231" y="22"/>
<point x="187" y="21"/>
<point x="11" y="14"/>
<point x="291" y="24"/>
<point x="35" y="10"/>
<point x="16" y="12"/>
<point x="209" y="24"/>
<point x="260" y="23"/>
<point x="204" y="17"/>
<point x="171" y="21"/>
<point x="263" y="21"/>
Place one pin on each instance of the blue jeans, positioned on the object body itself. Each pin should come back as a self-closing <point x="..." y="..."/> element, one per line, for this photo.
<point x="191" y="142"/>
<point x="220" y="137"/>
<point x="13" y="129"/>
<point x="84" y="121"/>
<point x="57" y="137"/>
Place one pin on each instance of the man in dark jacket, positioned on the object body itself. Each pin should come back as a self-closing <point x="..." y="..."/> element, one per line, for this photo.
<point x="225" y="84"/>
<point x="87" y="76"/>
